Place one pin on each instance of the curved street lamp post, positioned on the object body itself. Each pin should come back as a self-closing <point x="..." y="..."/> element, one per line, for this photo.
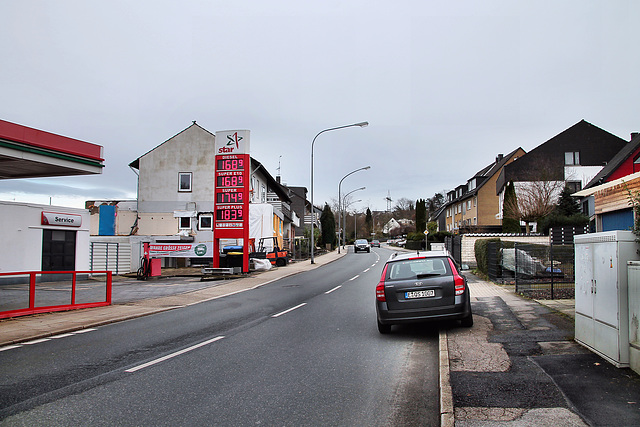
<point x="344" y="204"/>
<point x="340" y="203"/>
<point x="361" y="124"/>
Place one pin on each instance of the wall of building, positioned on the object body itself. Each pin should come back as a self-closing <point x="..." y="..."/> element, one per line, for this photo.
<point x="190" y="151"/>
<point x="22" y="236"/>
<point x="469" y="241"/>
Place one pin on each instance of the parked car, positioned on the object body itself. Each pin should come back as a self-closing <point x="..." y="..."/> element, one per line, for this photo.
<point x="375" y="243"/>
<point x="361" y="245"/>
<point x="419" y="287"/>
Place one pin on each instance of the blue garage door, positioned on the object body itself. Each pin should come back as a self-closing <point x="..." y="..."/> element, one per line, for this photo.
<point x="618" y="220"/>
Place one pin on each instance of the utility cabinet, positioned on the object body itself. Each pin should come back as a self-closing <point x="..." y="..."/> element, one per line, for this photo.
<point x="602" y="310"/>
<point x="634" y="315"/>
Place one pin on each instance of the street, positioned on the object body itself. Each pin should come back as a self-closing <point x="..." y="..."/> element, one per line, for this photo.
<point x="303" y="350"/>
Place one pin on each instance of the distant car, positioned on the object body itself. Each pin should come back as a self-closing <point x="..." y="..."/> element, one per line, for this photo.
<point x="375" y="243"/>
<point x="419" y="287"/>
<point x="361" y="245"/>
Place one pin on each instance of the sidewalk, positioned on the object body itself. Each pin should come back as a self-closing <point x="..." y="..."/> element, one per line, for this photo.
<point x="27" y="328"/>
<point x="519" y="366"/>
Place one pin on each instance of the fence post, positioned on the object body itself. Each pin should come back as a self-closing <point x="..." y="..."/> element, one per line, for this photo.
<point x="515" y="254"/>
<point x="552" y="269"/>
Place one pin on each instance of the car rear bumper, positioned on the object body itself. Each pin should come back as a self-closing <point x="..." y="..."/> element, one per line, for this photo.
<point x="396" y="317"/>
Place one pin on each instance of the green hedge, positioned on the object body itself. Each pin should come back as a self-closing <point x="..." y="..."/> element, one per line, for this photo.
<point x="480" y="249"/>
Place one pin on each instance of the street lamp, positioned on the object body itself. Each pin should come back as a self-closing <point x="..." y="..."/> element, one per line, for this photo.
<point x="340" y="201"/>
<point x="361" y="124"/>
<point x="344" y="203"/>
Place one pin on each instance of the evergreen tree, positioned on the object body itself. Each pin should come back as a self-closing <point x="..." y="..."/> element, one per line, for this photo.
<point x="510" y="212"/>
<point x="567" y="205"/>
<point x="369" y="222"/>
<point x="328" y="225"/>
<point x="421" y="215"/>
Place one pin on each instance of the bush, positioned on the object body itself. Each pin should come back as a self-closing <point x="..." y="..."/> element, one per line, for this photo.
<point x="480" y="249"/>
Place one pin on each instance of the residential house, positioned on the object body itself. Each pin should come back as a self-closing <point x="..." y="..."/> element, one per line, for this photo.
<point x="572" y="158"/>
<point x="474" y="206"/>
<point x="623" y="164"/>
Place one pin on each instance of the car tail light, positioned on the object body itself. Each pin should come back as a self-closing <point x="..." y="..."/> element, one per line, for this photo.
<point x="380" y="288"/>
<point x="457" y="279"/>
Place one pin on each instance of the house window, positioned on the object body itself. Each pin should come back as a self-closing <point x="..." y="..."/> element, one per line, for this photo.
<point x="184" y="181"/>
<point x="574" y="186"/>
<point x="205" y="222"/>
<point x="572" y="158"/>
<point x="468" y="205"/>
<point x="185" y="223"/>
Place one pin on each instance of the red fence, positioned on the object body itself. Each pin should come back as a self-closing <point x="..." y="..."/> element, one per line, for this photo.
<point x="21" y="293"/>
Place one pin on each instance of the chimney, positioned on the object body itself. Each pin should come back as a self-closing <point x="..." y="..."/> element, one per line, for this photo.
<point x="278" y="179"/>
<point x="633" y="135"/>
<point x="499" y="158"/>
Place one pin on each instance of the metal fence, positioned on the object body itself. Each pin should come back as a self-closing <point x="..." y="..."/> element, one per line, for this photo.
<point x="537" y="271"/>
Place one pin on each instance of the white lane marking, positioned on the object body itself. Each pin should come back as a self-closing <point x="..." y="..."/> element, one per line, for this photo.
<point x="62" y="336"/>
<point x="367" y="270"/>
<point x="331" y="290"/>
<point x="172" y="355"/>
<point x="37" y="341"/>
<point x="289" y="310"/>
<point x="82" y="331"/>
<point x="9" y="347"/>
<point x="354" y="278"/>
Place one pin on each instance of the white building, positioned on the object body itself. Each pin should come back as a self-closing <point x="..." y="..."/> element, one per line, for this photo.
<point x="175" y="200"/>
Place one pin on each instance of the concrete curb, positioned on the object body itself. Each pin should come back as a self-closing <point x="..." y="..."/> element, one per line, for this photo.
<point x="447" y="418"/>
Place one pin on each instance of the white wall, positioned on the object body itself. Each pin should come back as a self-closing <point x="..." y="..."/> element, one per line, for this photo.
<point x="21" y="234"/>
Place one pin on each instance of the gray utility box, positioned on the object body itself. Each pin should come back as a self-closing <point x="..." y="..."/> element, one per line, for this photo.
<point x="634" y="315"/>
<point x="602" y="308"/>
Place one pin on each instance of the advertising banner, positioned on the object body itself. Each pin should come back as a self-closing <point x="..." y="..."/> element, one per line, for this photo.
<point x="181" y="250"/>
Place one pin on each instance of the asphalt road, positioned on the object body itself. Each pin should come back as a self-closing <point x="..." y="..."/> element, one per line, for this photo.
<point x="303" y="350"/>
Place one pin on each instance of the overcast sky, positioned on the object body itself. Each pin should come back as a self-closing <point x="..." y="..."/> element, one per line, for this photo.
<point x="445" y="85"/>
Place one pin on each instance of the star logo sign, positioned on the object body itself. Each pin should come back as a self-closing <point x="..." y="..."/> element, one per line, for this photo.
<point x="234" y="139"/>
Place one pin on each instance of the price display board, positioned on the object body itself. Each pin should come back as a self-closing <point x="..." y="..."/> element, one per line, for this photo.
<point x="231" y="192"/>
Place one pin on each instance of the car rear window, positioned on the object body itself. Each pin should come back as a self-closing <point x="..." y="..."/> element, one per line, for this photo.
<point x="413" y="268"/>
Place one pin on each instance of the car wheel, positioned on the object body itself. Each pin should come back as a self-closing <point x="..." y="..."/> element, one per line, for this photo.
<point x="368" y="250"/>
<point x="467" y="322"/>
<point x="383" y="329"/>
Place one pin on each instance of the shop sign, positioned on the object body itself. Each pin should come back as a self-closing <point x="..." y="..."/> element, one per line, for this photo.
<point x="65" y="220"/>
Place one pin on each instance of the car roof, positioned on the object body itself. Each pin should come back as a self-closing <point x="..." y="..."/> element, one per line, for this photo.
<point x="397" y="256"/>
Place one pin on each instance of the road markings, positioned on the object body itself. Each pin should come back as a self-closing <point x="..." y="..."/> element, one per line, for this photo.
<point x="172" y="355"/>
<point x="62" y="336"/>
<point x="37" y="341"/>
<point x="367" y="270"/>
<point x="354" y="278"/>
<point x="331" y="290"/>
<point x="289" y="310"/>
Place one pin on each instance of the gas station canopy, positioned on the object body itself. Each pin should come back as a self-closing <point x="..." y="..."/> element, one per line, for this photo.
<point x="31" y="153"/>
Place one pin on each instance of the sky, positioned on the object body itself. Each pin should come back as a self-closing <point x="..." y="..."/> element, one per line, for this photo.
<point x="446" y="86"/>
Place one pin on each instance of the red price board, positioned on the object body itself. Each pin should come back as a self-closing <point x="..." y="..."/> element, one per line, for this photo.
<point x="231" y="195"/>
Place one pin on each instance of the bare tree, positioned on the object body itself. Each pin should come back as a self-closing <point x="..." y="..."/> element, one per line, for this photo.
<point x="537" y="193"/>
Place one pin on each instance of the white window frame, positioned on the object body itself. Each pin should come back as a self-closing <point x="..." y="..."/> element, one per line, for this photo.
<point x="185" y="174"/>
<point x="572" y="158"/>
<point x="182" y="226"/>
<point x="201" y="217"/>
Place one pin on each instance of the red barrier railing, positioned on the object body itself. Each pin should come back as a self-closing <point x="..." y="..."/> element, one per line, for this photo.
<point x="11" y="291"/>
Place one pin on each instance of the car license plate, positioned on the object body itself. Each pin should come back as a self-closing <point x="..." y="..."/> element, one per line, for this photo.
<point x="420" y="294"/>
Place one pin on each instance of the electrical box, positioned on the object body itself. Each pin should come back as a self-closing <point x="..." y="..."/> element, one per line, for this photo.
<point x="634" y="315"/>
<point x="602" y="309"/>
